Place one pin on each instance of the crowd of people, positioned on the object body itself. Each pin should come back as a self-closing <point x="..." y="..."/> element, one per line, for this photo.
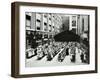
<point x="78" y="52"/>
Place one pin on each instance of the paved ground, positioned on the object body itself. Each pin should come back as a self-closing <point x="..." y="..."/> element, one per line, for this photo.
<point x="33" y="62"/>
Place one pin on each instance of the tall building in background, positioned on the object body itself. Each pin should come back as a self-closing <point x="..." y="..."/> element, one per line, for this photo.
<point x="83" y="23"/>
<point x="78" y="24"/>
<point x="69" y="23"/>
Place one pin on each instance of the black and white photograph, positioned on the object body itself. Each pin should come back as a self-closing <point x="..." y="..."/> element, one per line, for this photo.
<point x="55" y="39"/>
<point x="52" y="39"/>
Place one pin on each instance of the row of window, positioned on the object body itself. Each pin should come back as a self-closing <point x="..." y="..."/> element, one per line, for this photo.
<point x="47" y="23"/>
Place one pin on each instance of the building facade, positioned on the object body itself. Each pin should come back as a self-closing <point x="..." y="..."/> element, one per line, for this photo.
<point x="78" y="24"/>
<point x="41" y="27"/>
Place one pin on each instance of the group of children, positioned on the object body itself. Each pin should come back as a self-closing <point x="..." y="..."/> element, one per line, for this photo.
<point x="73" y="49"/>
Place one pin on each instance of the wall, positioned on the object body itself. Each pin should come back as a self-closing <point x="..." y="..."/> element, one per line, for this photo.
<point x="5" y="40"/>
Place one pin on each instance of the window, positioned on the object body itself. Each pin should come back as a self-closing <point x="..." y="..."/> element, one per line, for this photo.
<point x="49" y="25"/>
<point x="28" y="17"/>
<point x="45" y="23"/>
<point x="38" y="28"/>
<point x="38" y="20"/>
<point x="73" y="20"/>
<point x="45" y="15"/>
<point x="38" y="25"/>
<point x="49" y="18"/>
<point x="28" y="21"/>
